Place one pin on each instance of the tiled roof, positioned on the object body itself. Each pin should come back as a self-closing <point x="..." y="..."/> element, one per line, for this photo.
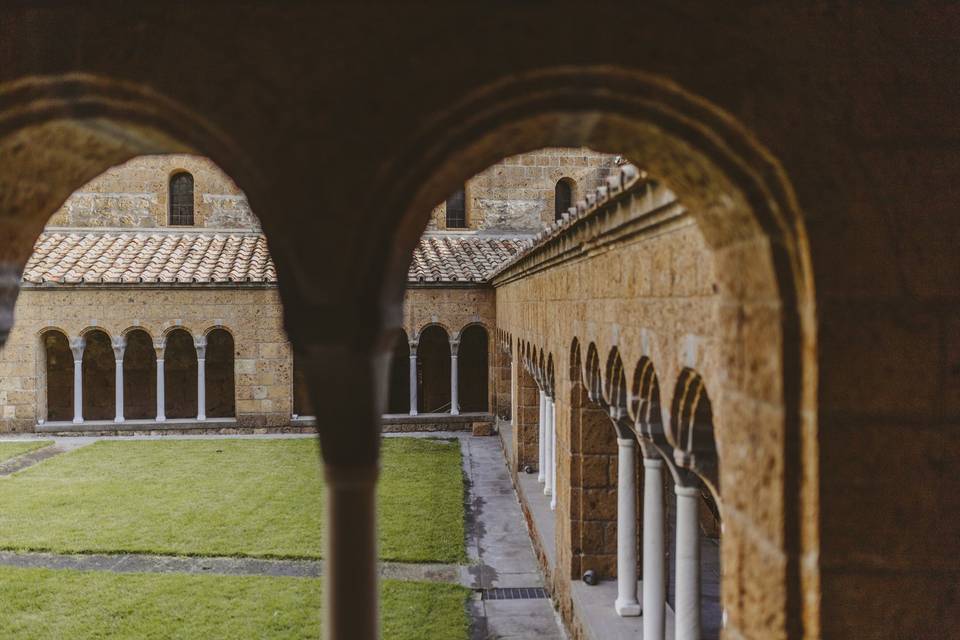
<point x="125" y="257"/>
<point x="132" y="258"/>
<point x="461" y="258"/>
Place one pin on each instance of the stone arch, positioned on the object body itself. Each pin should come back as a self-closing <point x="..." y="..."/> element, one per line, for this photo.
<point x="691" y="432"/>
<point x="645" y="407"/>
<point x="575" y="368"/>
<point x="139" y="375"/>
<point x="564" y="195"/>
<point x="220" y="377"/>
<point x="745" y="207"/>
<point x="398" y="395"/>
<point x="99" y="375"/>
<point x="180" y="374"/>
<point x="433" y="369"/>
<point x="593" y="379"/>
<point x="615" y="383"/>
<point x="474" y="369"/>
<point x="58" y="373"/>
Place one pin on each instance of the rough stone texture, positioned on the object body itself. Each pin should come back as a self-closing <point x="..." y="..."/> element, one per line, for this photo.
<point x="517" y="194"/>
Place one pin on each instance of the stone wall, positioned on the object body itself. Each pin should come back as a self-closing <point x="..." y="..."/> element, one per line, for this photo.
<point x="517" y="193"/>
<point x="136" y="195"/>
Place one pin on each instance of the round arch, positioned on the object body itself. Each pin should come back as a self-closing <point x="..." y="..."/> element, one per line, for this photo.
<point x="474" y="368"/>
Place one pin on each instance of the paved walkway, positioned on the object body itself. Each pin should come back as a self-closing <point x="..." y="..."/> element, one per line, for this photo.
<point x="509" y="602"/>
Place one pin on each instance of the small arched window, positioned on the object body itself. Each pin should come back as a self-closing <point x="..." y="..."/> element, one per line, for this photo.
<point x="563" y="197"/>
<point x="457" y="210"/>
<point x="181" y="199"/>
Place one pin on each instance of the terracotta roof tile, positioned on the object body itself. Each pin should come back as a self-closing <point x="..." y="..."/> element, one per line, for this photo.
<point x="461" y="258"/>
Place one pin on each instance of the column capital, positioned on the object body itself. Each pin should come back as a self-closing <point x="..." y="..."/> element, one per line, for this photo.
<point x="76" y="346"/>
<point x="454" y="346"/>
<point x="413" y="347"/>
<point x="119" y="344"/>
<point x="159" y="345"/>
<point x="200" y="342"/>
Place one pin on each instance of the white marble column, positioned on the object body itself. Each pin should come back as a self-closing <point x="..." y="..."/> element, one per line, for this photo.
<point x="76" y="346"/>
<point x="158" y="347"/>
<point x="350" y="592"/>
<point x="654" y="555"/>
<point x="548" y="450"/>
<point x="413" y="378"/>
<point x="627" y="604"/>
<point x="454" y="378"/>
<point x="119" y="344"/>
<point x="552" y="462"/>
<point x="201" y="344"/>
<point x="541" y="439"/>
<point x="687" y="611"/>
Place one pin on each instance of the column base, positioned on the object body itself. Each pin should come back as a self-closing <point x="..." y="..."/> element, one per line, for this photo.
<point x="118" y="420"/>
<point x="628" y="609"/>
<point x="78" y="421"/>
<point x="161" y="418"/>
<point x="414" y="412"/>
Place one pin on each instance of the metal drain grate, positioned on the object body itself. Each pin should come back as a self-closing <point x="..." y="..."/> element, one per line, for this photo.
<point x="518" y="593"/>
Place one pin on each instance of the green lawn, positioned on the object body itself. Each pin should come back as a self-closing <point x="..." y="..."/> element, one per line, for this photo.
<point x="12" y="449"/>
<point x="42" y="604"/>
<point x="237" y="497"/>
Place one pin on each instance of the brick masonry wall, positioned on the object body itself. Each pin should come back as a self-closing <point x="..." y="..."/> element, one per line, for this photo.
<point x="517" y="193"/>
<point x="136" y="195"/>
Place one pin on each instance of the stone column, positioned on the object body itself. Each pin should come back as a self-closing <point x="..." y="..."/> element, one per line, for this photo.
<point x="119" y="344"/>
<point x="552" y="434"/>
<point x="687" y="613"/>
<point x="201" y="344"/>
<point x="541" y="439"/>
<point x="548" y="450"/>
<point x="158" y="347"/>
<point x="626" y="603"/>
<point x="413" y="377"/>
<point x="76" y="346"/>
<point x="454" y="378"/>
<point x="351" y="554"/>
<point x="654" y="587"/>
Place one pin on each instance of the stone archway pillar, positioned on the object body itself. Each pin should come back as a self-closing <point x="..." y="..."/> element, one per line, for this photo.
<point x="200" y="342"/>
<point x="119" y="344"/>
<point x="552" y="462"/>
<point x="454" y="378"/>
<point x="626" y="604"/>
<point x="548" y="449"/>
<point x="158" y="346"/>
<point x="76" y="346"/>
<point x="654" y="587"/>
<point x="687" y="620"/>
<point x="413" y="377"/>
<point x="542" y="445"/>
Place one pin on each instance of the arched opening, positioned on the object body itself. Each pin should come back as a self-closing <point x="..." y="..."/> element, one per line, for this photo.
<point x="181" y="199"/>
<point x="562" y="197"/>
<point x="398" y="400"/>
<point x="59" y="373"/>
<point x="433" y="370"/>
<point x="139" y="376"/>
<point x="221" y="383"/>
<point x="457" y="209"/>
<point x="99" y="377"/>
<point x="180" y="375"/>
<point x="473" y="357"/>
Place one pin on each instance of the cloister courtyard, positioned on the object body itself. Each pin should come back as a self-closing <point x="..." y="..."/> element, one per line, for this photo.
<point x="217" y="537"/>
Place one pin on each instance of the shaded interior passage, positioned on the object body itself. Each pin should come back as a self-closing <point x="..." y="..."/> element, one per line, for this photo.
<point x="180" y="375"/>
<point x="433" y="370"/>
<point x="221" y="401"/>
<point x="139" y="376"/>
<point x="59" y="370"/>
<point x="473" y="385"/>
<point x="99" y="377"/>
<point x="398" y="398"/>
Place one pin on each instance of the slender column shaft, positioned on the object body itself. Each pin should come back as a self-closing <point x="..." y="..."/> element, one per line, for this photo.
<point x="541" y="439"/>
<point x="78" y="391"/>
<point x="552" y="462"/>
<point x="119" y="391"/>
<point x="201" y="345"/>
<point x="654" y="586"/>
<point x="76" y="346"/>
<point x="687" y="622"/>
<point x="350" y="591"/>
<point x="627" y="604"/>
<point x="413" y="382"/>
<point x="548" y="450"/>
<point x="161" y="400"/>
<point x="454" y="384"/>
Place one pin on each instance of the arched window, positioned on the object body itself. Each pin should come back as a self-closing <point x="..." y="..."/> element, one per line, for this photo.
<point x="433" y="363"/>
<point x="474" y="373"/>
<point x="563" y="197"/>
<point x="220" y="385"/>
<point x="180" y="375"/>
<point x="181" y="199"/>
<point x="59" y="372"/>
<point x="457" y="210"/>
<point x="99" y="377"/>
<point x="139" y="376"/>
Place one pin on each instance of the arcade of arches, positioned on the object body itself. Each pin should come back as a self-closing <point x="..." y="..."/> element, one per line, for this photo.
<point x="781" y="284"/>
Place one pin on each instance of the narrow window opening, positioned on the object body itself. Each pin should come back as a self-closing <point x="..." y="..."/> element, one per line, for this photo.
<point x="181" y="199"/>
<point x="457" y="210"/>
<point x="563" y="198"/>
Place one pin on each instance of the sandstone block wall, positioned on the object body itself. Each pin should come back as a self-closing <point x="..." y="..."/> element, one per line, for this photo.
<point x="517" y="193"/>
<point x="136" y="194"/>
